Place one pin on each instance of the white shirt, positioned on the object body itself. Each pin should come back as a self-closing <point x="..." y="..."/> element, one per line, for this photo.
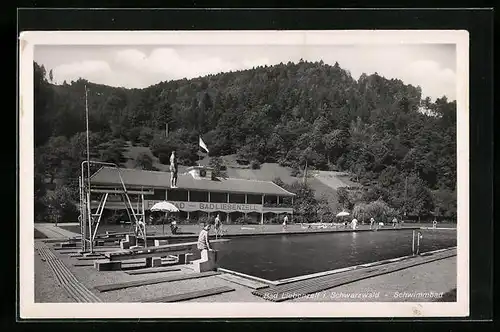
<point x="202" y="240"/>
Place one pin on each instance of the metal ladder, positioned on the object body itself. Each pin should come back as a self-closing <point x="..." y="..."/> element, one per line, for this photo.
<point x="88" y="219"/>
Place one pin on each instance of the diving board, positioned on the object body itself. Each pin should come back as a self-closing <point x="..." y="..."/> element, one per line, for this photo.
<point x="156" y="251"/>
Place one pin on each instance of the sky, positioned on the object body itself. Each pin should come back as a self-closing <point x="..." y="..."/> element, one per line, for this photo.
<point x="430" y="66"/>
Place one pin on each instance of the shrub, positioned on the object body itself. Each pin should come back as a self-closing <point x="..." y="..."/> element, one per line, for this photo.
<point x="145" y="137"/>
<point x="133" y="135"/>
<point x="205" y="220"/>
<point x="245" y="220"/>
<point x="255" y="164"/>
<point x="379" y="210"/>
<point x="164" y="158"/>
<point x="144" y="161"/>
<point x="295" y="172"/>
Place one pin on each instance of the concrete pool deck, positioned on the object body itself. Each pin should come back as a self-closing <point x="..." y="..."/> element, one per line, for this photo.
<point x="189" y="231"/>
<point x="437" y="277"/>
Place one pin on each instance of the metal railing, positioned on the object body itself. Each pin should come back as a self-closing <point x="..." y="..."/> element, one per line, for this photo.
<point x="86" y="215"/>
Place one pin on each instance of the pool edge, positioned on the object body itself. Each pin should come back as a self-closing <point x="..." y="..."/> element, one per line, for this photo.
<point x="325" y="273"/>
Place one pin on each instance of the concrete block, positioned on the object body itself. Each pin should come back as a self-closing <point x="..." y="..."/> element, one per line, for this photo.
<point x="161" y="242"/>
<point x="182" y="258"/>
<point x="132" y="239"/>
<point x="208" y="262"/>
<point x="107" y="265"/>
<point x="204" y="266"/>
<point x="68" y="245"/>
<point x="189" y="258"/>
<point x="209" y="255"/>
<point x="124" y="245"/>
<point x="153" y="261"/>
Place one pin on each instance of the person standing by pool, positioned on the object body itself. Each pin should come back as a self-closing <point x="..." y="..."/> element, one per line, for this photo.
<point x="173" y="170"/>
<point x="285" y="222"/>
<point x="203" y="242"/>
<point x="372" y="221"/>
<point x="217" y="224"/>
<point x="173" y="226"/>
<point x="354" y="223"/>
<point x="394" y="222"/>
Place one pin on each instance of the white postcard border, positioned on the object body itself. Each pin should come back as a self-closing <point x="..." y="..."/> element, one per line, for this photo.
<point x="30" y="309"/>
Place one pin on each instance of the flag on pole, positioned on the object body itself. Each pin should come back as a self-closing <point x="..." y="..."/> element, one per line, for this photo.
<point x="203" y="145"/>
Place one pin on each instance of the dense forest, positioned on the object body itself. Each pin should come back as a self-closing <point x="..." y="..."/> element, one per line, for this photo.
<point x="399" y="147"/>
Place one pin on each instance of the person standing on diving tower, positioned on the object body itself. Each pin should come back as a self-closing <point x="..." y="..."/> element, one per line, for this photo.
<point x="173" y="170"/>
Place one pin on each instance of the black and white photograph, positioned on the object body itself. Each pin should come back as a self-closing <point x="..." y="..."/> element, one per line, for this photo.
<point x="244" y="174"/>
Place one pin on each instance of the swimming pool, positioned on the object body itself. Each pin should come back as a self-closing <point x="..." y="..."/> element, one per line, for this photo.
<point x="285" y="256"/>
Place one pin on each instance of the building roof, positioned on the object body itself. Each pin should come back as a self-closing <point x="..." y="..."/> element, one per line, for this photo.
<point x="108" y="176"/>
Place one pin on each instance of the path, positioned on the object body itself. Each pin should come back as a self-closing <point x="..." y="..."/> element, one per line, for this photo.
<point x="54" y="232"/>
<point x="423" y="283"/>
<point x="331" y="179"/>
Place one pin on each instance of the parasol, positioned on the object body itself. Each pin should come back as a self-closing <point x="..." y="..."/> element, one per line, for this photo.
<point x="342" y="214"/>
<point x="166" y="207"/>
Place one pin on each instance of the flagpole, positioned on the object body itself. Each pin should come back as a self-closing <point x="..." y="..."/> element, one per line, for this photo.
<point x="89" y="210"/>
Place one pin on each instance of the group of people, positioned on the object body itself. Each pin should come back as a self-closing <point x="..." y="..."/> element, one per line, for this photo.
<point x="373" y="224"/>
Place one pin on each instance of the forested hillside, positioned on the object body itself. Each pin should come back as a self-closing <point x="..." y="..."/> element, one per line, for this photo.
<point x="291" y="114"/>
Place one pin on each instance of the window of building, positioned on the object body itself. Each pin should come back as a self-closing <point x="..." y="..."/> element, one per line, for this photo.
<point x="270" y="199"/>
<point x="198" y="196"/>
<point x="216" y="197"/>
<point x="177" y="195"/>
<point x="158" y="194"/>
<point x="254" y="199"/>
<point x="237" y="198"/>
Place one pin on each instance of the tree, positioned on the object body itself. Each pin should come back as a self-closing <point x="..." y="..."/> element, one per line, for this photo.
<point x="113" y="154"/>
<point x="289" y="113"/>
<point x="144" y="161"/>
<point x="324" y="211"/>
<point x="379" y="210"/>
<point x="219" y="169"/>
<point x="52" y="155"/>
<point x="60" y="205"/>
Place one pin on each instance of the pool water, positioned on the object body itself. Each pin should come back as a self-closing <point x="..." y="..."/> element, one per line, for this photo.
<point x="285" y="256"/>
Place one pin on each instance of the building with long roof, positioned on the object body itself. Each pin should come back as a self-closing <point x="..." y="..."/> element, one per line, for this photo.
<point x="198" y="193"/>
